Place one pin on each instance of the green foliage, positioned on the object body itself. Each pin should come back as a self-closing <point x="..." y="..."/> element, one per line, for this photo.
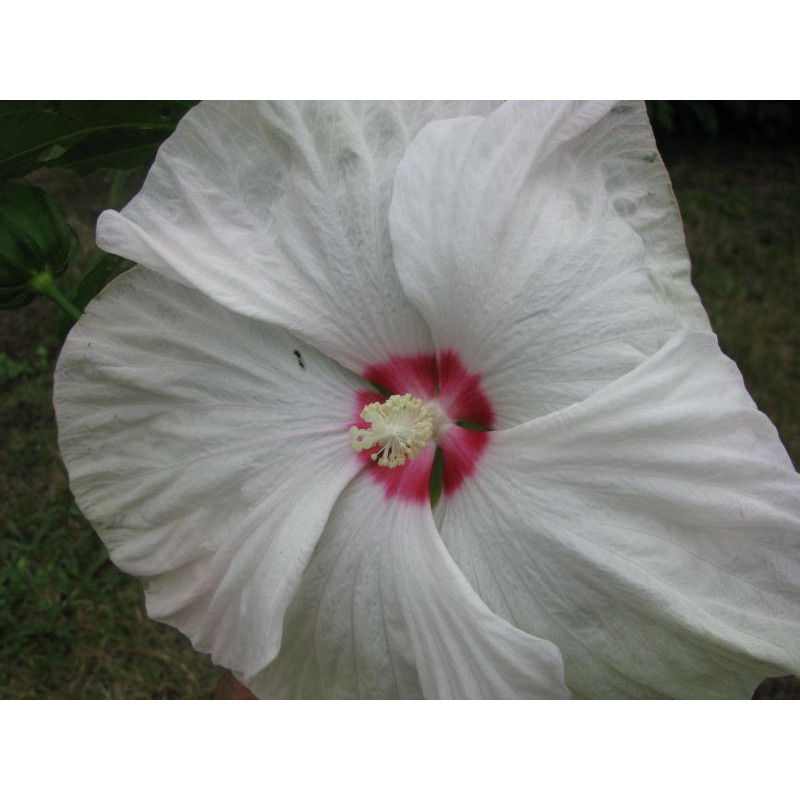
<point x="11" y="369"/>
<point x="746" y="120"/>
<point x="740" y="208"/>
<point x="83" y="135"/>
<point x="103" y="270"/>
<point x="36" y="593"/>
<point x="436" y="482"/>
<point x="71" y="624"/>
<point x="36" y="244"/>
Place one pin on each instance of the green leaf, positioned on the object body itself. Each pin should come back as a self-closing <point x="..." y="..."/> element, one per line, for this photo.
<point x="10" y="369"/>
<point x="119" y="179"/>
<point x="82" y="134"/>
<point x="472" y="426"/>
<point x="436" y="481"/>
<point x="105" y="269"/>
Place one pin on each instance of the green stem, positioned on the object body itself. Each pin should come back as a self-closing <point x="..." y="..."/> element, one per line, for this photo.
<point x="43" y="283"/>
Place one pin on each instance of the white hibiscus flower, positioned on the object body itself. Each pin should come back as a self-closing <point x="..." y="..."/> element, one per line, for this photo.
<point x="499" y="295"/>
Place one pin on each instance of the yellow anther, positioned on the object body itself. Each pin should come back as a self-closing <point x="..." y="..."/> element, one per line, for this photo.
<point x="403" y="425"/>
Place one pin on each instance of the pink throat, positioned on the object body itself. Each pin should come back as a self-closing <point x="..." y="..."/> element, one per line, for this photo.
<point x="461" y="398"/>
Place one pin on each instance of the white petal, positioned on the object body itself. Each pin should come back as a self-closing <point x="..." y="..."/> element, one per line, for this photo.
<point x="279" y="211"/>
<point x="544" y="246"/>
<point x="652" y="532"/>
<point x="205" y="455"/>
<point x="384" y="613"/>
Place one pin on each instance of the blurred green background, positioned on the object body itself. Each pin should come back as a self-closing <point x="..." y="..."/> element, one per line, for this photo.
<point x="73" y="626"/>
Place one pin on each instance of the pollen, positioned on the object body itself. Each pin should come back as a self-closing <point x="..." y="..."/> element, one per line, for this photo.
<point x="401" y="426"/>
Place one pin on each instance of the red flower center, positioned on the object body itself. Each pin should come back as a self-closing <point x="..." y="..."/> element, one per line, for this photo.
<point x="461" y="399"/>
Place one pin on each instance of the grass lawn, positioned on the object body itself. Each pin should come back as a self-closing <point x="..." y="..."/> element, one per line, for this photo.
<point x="73" y="626"/>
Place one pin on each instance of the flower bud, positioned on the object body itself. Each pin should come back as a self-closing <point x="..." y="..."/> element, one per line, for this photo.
<point x="36" y="243"/>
